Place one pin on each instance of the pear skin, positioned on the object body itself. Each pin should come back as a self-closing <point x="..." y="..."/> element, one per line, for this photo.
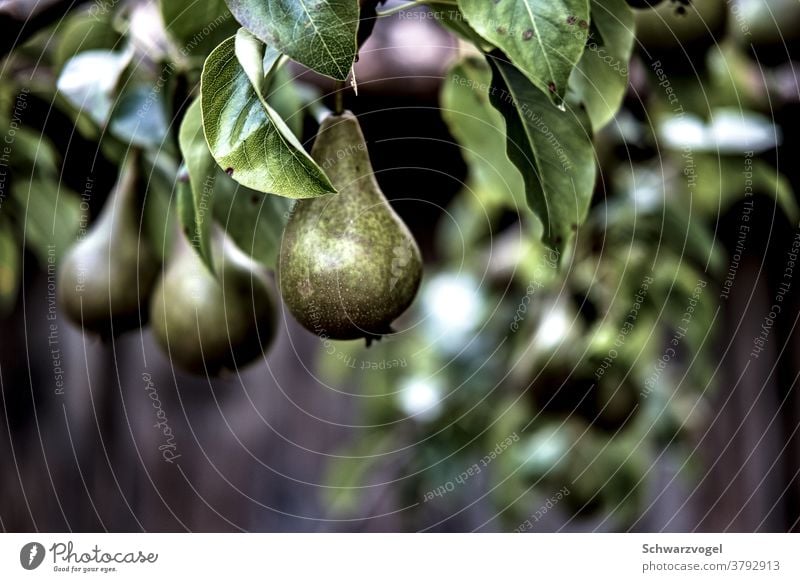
<point x="107" y="275"/>
<point x="349" y="266"/>
<point x="207" y="323"/>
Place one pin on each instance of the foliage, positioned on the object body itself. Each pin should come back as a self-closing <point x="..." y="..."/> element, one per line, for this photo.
<point x="583" y="296"/>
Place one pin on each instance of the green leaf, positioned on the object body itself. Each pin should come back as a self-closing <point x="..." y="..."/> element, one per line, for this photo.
<point x="543" y="38"/>
<point x="551" y="148"/>
<point x="451" y="17"/>
<point x="160" y="170"/>
<point x="667" y="225"/>
<point x="272" y="82"/>
<point x="726" y="179"/>
<point x="90" y="79"/>
<point x="287" y="100"/>
<point x="320" y="34"/>
<point x="195" y="202"/>
<point x="601" y="77"/>
<point x="85" y="31"/>
<point x="139" y="118"/>
<point x="197" y="27"/>
<point x="659" y="212"/>
<point x="34" y="155"/>
<point x="253" y="220"/>
<point x="775" y="184"/>
<point x="51" y="216"/>
<point x="248" y="139"/>
<point x="9" y="268"/>
<point x="256" y="59"/>
<point x="479" y="128"/>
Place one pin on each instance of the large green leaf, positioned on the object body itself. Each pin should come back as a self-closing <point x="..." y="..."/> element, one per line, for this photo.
<point x="479" y="128"/>
<point x="451" y="17"/>
<point x="253" y="220"/>
<point x="256" y="59"/>
<point x="321" y="34"/>
<point x="197" y="26"/>
<point x="287" y="100"/>
<point x="551" y="148"/>
<point x="272" y="82"/>
<point x="543" y="38"/>
<point x="601" y="77"/>
<point x="248" y="139"/>
<point x="195" y="202"/>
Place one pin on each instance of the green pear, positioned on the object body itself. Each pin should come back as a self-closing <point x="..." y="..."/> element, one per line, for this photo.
<point x="207" y="323"/>
<point x="349" y="266"/>
<point x="107" y="275"/>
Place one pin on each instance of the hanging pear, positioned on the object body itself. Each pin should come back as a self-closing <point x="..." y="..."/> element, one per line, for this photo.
<point x="207" y="323"/>
<point x="106" y="276"/>
<point x="348" y="264"/>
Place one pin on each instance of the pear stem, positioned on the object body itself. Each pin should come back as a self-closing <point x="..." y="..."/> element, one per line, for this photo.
<point x="338" y="97"/>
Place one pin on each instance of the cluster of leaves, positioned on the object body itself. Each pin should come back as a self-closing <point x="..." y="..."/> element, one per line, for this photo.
<point x="128" y="84"/>
<point x="35" y="206"/>
<point x="549" y="89"/>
